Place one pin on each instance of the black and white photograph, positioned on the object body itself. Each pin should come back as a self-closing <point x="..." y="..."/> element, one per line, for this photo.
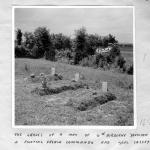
<point x="73" y="66"/>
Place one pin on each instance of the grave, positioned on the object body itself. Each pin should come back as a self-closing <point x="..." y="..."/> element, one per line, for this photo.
<point x="56" y="87"/>
<point x="52" y="71"/>
<point x="77" y="77"/>
<point x="104" y="87"/>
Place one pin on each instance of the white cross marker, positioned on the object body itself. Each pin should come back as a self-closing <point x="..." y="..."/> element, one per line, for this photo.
<point x="104" y="87"/>
<point x="77" y="76"/>
<point x="53" y="71"/>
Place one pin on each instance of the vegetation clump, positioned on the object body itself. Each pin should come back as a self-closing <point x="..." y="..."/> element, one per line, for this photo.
<point x="80" y="50"/>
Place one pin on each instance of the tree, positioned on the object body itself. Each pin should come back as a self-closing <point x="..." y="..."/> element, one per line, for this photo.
<point x="80" y="44"/>
<point x="18" y="36"/>
<point x="58" y="41"/>
<point x="29" y="40"/>
<point x="61" y="42"/>
<point x="67" y="42"/>
<point x="42" y="40"/>
<point x="93" y="42"/>
<point x="105" y="41"/>
<point x="111" y="39"/>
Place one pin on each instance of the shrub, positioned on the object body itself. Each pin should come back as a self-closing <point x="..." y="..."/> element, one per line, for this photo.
<point x="120" y="62"/>
<point x="64" y="55"/>
<point x="27" y="68"/>
<point x="20" y="51"/>
<point x="115" y="51"/>
<point x="36" y="52"/>
<point x="130" y="70"/>
<point x="127" y="83"/>
<point x="105" y="60"/>
<point x="50" y="55"/>
<point x="89" y="61"/>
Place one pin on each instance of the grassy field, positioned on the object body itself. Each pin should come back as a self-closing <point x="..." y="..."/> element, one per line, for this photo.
<point x="58" y="109"/>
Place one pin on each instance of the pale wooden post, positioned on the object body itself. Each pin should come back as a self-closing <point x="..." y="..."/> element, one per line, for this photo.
<point x="104" y="87"/>
<point x="77" y="76"/>
<point x="52" y="71"/>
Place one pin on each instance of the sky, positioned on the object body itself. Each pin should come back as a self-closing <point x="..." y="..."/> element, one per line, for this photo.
<point x="102" y="21"/>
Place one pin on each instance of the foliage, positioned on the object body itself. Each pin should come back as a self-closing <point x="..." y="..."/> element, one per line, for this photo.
<point x="89" y="61"/>
<point x="130" y="70"/>
<point x="19" y="36"/>
<point x="42" y="40"/>
<point x="50" y="55"/>
<point x="61" y="42"/>
<point x="20" y="51"/>
<point x="121" y="62"/>
<point x="29" y="40"/>
<point x="78" y="50"/>
<point x="80" y="45"/>
<point x="36" y="52"/>
<point x="93" y="42"/>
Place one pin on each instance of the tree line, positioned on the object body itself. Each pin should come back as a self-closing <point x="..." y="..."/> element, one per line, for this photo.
<point x="42" y="43"/>
<point x="80" y="50"/>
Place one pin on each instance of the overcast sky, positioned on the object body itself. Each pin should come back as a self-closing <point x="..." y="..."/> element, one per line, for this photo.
<point x="117" y="21"/>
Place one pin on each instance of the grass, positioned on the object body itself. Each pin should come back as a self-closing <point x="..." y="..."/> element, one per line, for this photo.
<point x="33" y="109"/>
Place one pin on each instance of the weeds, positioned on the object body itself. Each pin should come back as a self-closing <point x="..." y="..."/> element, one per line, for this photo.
<point x="27" y="68"/>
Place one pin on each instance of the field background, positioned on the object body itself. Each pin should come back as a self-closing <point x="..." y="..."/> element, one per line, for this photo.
<point x="41" y="110"/>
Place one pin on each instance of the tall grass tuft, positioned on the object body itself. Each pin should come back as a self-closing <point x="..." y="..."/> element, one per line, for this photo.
<point x="27" y="68"/>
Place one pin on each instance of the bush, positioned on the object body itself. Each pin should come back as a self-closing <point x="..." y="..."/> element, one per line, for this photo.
<point x="104" y="60"/>
<point x="36" y="52"/>
<point x="50" y="55"/>
<point x="115" y="51"/>
<point x="66" y="55"/>
<point x="127" y="83"/>
<point x="89" y="61"/>
<point x="130" y="70"/>
<point x="120" y="61"/>
<point x="20" y="51"/>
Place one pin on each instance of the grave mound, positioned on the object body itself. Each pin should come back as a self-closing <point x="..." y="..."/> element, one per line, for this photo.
<point x="58" y="87"/>
<point x="89" y="102"/>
